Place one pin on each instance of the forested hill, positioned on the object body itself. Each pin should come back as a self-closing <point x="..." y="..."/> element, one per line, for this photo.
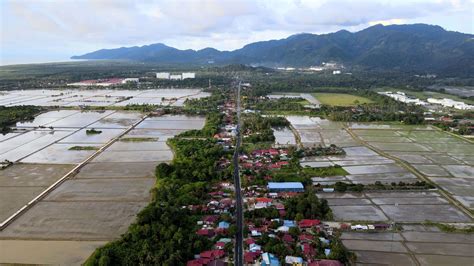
<point x="406" y="47"/>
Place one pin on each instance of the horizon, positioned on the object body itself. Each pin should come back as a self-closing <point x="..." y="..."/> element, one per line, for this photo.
<point x="41" y="31"/>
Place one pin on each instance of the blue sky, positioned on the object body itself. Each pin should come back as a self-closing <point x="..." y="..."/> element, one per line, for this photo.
<point x="54" y="30"/>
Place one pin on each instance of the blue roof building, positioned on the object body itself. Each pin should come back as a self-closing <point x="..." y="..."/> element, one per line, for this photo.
<point x="224" y="225"/>
<point x="285" y="187"/>
<point x="289" y="223"/>
<point x="269" y="259"/>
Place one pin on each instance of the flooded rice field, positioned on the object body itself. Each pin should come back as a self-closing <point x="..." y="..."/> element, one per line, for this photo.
<point x="443" y="158"/>
<point x="283" y="137"/>
<point x="102" y="199"/>
<point x="394" y="206"/>
<point x="48" y="252"/>
<point x="420" y="245"/>
<point x="99" y="97"/>
<point x="314" y="131"/>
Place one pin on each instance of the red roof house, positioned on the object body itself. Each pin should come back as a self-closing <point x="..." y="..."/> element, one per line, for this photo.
<point x="308" y="223"/>
<point x="326" y="263"/>
<point x="205" y="232"/>
<point x="212" y="254"/>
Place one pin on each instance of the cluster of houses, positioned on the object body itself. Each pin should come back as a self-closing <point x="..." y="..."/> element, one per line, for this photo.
<point x="229" y="130"/>
<point x="264" y="159"/>
<point x="310" y="230"/>
<point x="219" y="208"/>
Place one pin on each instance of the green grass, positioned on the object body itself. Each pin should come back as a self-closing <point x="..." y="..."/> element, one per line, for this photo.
<point x="83" y="148"/>
<point x="340" y="99"/>
<point x="324" y="171"/>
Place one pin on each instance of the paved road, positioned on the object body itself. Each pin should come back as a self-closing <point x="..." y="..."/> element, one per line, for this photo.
<point x="238" y="251"/>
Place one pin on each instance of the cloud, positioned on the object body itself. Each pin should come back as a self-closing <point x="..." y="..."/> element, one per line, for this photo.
<point x="80" y="25"/>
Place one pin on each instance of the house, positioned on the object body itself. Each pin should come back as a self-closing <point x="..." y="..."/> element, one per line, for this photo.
<point x="328" y="189"/>
<point x="217" y="263"/>
<point x="285" y="187"/>
<point x="225" y="240"/>
<point x="255" y="233"/>
<point x="263" y="203"/>
<point x="210" y="219"/>
<point x="250" y="257"/>
<point x="326" y="263"/>
<point x="220" y="245"/>
<point x="198" y="262"/>
<point x="381" y="226"/>
<point x="324" y="240"/>
<point x="273" y="152"/>
<point x="283" y="229"/>
<point x="249" y="241"/>
<point x="287" y="238"/>
<point x="306" y="238"/>
<point x="359" y="227"/>
<point x="327" y="251"/>
<point x="205" y="232"/>
<point x="308" y="223"/>
<point x="295" y="261"/>
<point x="269" y="259"/>
<point x="289" y="223"/>
<point x="254" y="247"/>
<point x="308" y="251"/>
<point x="224" y="225"/>
<point x="212" y="254"/>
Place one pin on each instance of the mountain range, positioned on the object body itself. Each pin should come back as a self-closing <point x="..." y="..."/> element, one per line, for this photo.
<point x="418" y="47"/>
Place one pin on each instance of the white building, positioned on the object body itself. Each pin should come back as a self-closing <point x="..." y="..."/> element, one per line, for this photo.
<point x="136" y="80"/>
<point x="163" y="75"/>
<point x="336" y="72"/>
<point x="188" y="75"/>
<point x="401" y="97"/>
<point x="176" y="77"/>
<point x="445" y="102"/>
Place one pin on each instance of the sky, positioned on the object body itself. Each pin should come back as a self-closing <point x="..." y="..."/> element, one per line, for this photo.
<point x="35" y="31"/>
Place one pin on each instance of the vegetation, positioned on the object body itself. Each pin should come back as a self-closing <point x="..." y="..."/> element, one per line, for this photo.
<point x="93" y="131"/>
<point x="257" y="128"/>
<point x="213" y="121"/>
<point x="9" y="116"/>
<point x="137" y="139"/>
<point x="307" y="206"/>
<point x="343" y="186"/>
<point x="341" y="99"/>
<point x="83" y="148"/>
<point x="335" y="170"/>
<point x="450" y="228"/>
<point x="320" y="151"/>
<point x="164" y="233"/>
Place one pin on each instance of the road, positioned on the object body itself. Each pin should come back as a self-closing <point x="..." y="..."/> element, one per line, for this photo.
<point x="238" y="249"/>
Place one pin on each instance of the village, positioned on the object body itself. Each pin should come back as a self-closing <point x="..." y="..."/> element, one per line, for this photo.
<point x="281" y="225"/>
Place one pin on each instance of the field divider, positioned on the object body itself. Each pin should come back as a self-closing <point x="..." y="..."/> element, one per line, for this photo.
<point x="68" y="175"/>
<point x="414" y="171"/>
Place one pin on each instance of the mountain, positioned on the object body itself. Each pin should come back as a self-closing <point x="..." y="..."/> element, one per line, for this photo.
<point x="405" y="47"/>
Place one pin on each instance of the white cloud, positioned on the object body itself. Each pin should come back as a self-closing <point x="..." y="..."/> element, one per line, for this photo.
<point x="77" y="26"/>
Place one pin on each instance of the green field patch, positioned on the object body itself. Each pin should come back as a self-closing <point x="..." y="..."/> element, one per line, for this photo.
<point x="341" y="99"/>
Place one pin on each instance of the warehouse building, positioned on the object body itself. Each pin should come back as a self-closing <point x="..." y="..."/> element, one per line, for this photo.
<point x="285" y="187"/>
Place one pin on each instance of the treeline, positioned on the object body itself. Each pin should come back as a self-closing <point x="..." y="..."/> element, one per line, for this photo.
<point x="307" y="206"/>
<point x="383" y="108"/>
<point x="9" y="116"/>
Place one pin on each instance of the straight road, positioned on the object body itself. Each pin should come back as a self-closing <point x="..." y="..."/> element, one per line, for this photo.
<point x="238" y="251"/>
